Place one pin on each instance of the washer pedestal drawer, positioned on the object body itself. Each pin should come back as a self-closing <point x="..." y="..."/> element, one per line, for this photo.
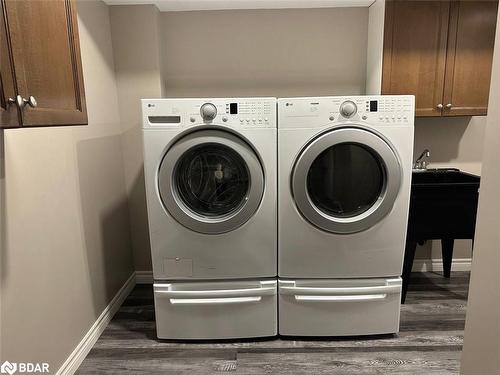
<point x="339" y="307"/>
<point x="216" y="309"/>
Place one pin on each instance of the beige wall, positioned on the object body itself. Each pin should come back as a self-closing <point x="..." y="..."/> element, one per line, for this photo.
<point x="137" y="64"/>
<point x="481" y="352"/>
<point x="65" y="247"/>
<point x="286" y="52"/>
<point x="453" y="142"/>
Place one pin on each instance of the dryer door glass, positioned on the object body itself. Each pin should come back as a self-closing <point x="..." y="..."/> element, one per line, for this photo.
<point x="345" y="180"/>
<point x="212" y="180"/>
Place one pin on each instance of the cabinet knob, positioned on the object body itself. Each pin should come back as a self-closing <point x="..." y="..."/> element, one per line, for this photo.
<point x="18" y="100"/>
<point x="21" y="102"/>
<point x="448" y="106"/>
<point x="31" y="101"/>
<point x="439" y="106"/>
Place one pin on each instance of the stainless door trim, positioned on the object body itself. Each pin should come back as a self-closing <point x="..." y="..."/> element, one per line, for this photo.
<point x="365" y="220"/>
<point x="185" y="216"/>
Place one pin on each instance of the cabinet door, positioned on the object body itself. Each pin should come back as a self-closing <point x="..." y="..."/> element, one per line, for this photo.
<point x="9" y="114"/>
<point x="46" y="55"/>
<point x="415" y="52"/>
<point x="470" y="54"/>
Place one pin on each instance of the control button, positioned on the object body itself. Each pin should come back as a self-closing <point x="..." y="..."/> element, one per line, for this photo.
<point x="192" y="119"/>
<point x="247" y="120"/>
<point x="331" y="118"/>
<point x="241" y="120"/>
<point x="364" y="117"/>
<point x="224" y="119"/>
<point x="266" y="119"/>
<point x="348" y="108"/>
<point x="208" y="111"/>
<point x="253" y="119"/>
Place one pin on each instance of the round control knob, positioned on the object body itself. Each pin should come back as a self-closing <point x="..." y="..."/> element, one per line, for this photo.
<point x="208" y="111"/>
<point x="348" y="109"/>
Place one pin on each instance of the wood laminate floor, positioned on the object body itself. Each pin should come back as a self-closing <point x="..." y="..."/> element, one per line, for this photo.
<point x="429" y="342"/>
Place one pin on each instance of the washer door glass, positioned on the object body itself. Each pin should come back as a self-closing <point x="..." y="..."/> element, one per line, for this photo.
<point x="211" y="181"/>
<point x="345" y="180"/>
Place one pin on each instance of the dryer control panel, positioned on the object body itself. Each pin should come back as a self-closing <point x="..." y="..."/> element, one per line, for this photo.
<point x="381" y="110"/>
<point x="232" y="112"/>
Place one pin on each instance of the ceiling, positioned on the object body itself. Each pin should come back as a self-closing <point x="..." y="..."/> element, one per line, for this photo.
<point x="187" y="5"/>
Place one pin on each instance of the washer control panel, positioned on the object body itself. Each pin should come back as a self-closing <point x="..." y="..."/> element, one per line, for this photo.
<point x="232" y="112"/>
<point x="334" y="110"/>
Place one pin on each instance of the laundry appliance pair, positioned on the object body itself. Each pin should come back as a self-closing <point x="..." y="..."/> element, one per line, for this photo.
<point x="277" y="216"/>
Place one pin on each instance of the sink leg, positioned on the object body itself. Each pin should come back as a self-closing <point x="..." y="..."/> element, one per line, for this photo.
<point x="447" y="253"/>
<point x="410" y="248"/>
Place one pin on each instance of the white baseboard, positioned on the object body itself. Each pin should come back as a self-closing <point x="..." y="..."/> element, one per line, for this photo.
<point x="144" y="277"/>
<point x="76" y="358"/>
<point x="428" y="265"/>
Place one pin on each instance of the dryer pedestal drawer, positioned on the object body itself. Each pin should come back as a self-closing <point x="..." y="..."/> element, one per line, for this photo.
<point x="339" y="307"/>
<point x="216" y="309"/>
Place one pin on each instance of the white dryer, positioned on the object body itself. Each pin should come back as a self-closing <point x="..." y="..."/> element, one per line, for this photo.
<point x="344" y="187"/>
<point x="210" y="171"/>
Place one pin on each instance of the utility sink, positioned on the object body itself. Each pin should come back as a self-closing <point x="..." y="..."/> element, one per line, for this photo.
<point x="450" y="176"/>
<point x="443" y="204"/>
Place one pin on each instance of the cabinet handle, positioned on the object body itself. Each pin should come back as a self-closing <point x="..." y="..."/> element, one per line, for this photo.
<point x="21" y="102"/>
<point x="18" y="100"/>
<point x="439" y="106"/>
<point x="448" y="106"/>
<point x="31" y="101"/>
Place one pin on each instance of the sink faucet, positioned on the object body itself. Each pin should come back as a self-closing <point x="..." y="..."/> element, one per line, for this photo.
<point x="420" y="163"/>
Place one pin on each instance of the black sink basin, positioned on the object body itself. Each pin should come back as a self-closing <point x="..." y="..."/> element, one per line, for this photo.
<point x="443" y="204"/>
<point x="444" y="176"/>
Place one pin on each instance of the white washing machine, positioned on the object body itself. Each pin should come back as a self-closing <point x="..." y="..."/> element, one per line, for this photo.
<point x="210" y="171"/>
<point x="344" y="177"/>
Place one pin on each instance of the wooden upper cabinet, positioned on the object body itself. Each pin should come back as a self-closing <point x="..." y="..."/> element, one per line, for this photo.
<point x="46" y="61"/>
<point x="441" y="52"/>
<point x="415" y="52"/>
<point x="9" y="113"/>
<point x="470" y="54"/>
